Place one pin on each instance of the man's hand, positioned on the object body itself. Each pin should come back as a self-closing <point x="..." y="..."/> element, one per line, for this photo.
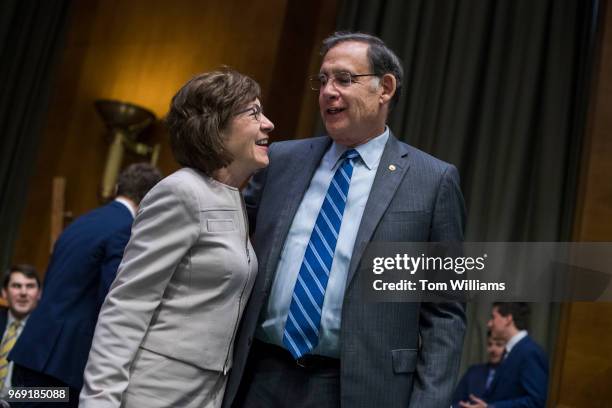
<point x="475" y="403"/>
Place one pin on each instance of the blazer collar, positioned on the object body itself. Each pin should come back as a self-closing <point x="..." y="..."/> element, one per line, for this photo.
<point x="394" y="164"/>
<point x="302" y="169"/>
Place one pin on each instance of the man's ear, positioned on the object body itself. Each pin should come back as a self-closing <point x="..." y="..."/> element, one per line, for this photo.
<point x="388" y="84"/>
<point x="4" y="293"/>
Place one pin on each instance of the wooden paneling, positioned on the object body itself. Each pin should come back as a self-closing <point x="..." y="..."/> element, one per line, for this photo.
<point x="583" y="374"/>
<point x="587" y="366"/>
<point x="290" y="101"/>
<point x="142" y="51"/>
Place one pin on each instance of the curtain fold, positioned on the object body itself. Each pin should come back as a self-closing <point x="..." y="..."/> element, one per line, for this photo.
<point x="497" y="88"/>
<point x="31" y="34"/>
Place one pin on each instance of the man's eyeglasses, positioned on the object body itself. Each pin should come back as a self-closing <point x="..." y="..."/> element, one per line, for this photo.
<point x="341" y="79"/>
<point x="254" y="111"/>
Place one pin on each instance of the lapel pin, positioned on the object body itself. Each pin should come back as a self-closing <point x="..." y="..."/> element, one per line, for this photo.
<point x="392" y="167"/>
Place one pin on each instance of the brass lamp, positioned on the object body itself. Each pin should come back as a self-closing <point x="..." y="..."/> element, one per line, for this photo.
<point x="125" y="122"/>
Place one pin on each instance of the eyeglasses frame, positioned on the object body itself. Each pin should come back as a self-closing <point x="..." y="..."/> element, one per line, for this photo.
<point x="315" y="80"/>
<point x="256" y="112"/>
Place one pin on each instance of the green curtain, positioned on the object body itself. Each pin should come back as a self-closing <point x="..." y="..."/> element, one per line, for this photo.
<point x="31" y="34"/>
<point x="498" y="88"/>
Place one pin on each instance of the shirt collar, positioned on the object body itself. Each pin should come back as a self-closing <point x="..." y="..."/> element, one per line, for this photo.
<point x="12" y="318"/>
<point x="370" y="152"/>
<point x="127" y="204"/>
<point x="515" y="339"/>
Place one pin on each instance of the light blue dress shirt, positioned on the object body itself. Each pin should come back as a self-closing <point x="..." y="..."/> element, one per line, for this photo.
<point x="275" y="312"/>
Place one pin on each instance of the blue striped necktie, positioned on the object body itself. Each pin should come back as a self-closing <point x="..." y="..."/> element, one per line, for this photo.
<point x="301" y="333"/>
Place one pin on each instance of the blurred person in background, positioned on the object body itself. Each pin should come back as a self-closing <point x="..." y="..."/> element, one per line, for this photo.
<point x="21" y="289"/>
<point x="479" y="377"/>
<point x="521" y="380"/>
<point x="53" y="348"/>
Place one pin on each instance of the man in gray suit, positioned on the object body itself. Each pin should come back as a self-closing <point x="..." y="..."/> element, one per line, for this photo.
<point x="308" y="338"/>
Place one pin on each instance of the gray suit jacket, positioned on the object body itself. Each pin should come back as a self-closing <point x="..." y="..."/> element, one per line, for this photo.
<point x="181" y="288"/>
<point x="392" y="354"/>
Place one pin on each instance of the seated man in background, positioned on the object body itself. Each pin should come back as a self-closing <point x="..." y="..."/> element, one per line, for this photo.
<point x="53" y="349"/>
<point x="21" y="290"/>
<point x="521" y="379"/>
<point x="479" y="377"/>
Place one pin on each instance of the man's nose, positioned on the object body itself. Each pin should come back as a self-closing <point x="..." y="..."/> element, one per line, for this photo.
<point x="329" y="90"/>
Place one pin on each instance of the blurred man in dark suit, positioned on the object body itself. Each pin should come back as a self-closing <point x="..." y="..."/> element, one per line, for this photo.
<point x="53" y="348"/>
<point x="479" y="377"/>
<point x="522" y="378"/>
<point x="21" y="290"/>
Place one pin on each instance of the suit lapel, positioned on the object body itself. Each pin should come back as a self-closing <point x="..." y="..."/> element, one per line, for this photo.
<point x="498" y="374"/>
<point x="506" y="362"/>
<point x="297" y="176"/>
<point x="383" y="189"/>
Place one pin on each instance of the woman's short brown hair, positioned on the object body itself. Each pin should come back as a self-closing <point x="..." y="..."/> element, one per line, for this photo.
<point x="201" y="111"/>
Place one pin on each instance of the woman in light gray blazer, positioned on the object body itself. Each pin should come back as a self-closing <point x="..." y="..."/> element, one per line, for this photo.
<point x="165" y="333"/>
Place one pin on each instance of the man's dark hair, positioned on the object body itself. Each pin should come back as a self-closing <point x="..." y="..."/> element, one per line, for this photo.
<point x="382" y="59"/>
<point x="28" y="270"/>
<point x="201" y="112"/>
<point x="518" y="310"/>
<point x="136" y="180"/>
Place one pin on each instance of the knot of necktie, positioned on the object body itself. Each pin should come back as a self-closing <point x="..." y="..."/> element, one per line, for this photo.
<point x="350" y="154"/>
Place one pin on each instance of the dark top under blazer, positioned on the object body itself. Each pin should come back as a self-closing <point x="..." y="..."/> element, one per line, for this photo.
<point x="392" y="354"/>
<point x="84" y="262"/>
<point x="521" y="379"/>
<point x="3" y="321"/>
